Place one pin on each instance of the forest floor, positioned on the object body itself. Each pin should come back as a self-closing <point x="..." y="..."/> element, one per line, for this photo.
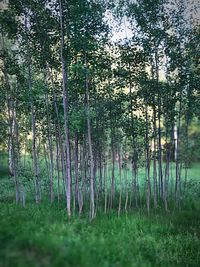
<point x="42" y="236"/>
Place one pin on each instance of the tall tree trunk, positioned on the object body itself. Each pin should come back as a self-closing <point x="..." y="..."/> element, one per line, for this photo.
<point x="126" y="178"/>
<point x="126" y="187"/>
<point x="59" y="136"/>
<point x="18" y="156"/>
<point x="112" y="197"/>
<point x="120" y="180"/>
<point x="105" y="186"/>
<point x="166" y="176"/>
<point x="57" y="161"/>
<point x="148" y="160"/>
<point x="134" y="157"/>
<point x="112" y="128"/>
<point x="46" y="159"/>
<point x="154" y="157"/>
<point x="34" y="142"/>
<point x="12" y="154"/>
<point x="11" y="123"/>
<point x="154" y="139"/>
<point x="187" y="147"/>
<point x="76" y="189"/>
<point x="177" y="155"/>
<point x="160" y="171"/>
<point x="66" y="112"/>
<point x="92" y="205"/>
<point x="49" y="136"/>
<point x="82" y="190"/>
<point x="100" y="174"/>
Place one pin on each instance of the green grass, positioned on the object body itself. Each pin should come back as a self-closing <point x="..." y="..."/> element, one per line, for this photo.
<point x="42" y="236"/>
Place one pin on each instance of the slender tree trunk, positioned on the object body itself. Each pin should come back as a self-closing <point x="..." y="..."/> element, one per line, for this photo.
<point x="11" y="123"/>
<point x="12" y="156"/>
<point x="112" y="176"/>
<point x="126" y="179"/>
<point x="135" y="184"/>
<point x="34" y="142"/>
<point x="160" y="170"/>
<point x="84" y="170"/>
<point x="134" y="158"/>
<point x="59" y="136"/>
<point x="82" y="191"/>
<point x="160" y="156"/>
<point x="76" y="192"/>
<point x="105" y="186"/>
<point x="148" y="194"/>
<point x="46" y="158"/>
<point x="154" y="139"/>
<point x="92" y="205"/>
<point x="187" y="147"/>
<point x="18" y="158"/>
<point x="100" y="174"/>
<point x="66" y="112"/>
<point x="120" y="180"/>
<point x="177" y="156"/>
<point x="49" y="136"/>
<point x="154" y="158"/>
<point x="166" y="176"/>
<point x="57" y="162"/>
<point x="126" y="188"/>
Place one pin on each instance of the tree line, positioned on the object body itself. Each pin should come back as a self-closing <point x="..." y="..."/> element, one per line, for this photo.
<point x="99" y="124"/>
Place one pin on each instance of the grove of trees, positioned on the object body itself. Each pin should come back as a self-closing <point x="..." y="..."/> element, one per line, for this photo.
<point x="97" y="124"/>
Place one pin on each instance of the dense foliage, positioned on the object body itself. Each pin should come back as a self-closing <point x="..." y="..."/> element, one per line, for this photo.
<point x="99" y="124"/>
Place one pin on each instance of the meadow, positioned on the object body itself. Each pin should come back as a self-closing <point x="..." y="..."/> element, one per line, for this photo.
<point x="42" y="235"/>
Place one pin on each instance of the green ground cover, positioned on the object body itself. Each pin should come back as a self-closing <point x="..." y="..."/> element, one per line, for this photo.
<point x="42" y="236"/>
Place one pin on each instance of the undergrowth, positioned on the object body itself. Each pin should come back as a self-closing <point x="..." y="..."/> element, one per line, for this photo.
<point x="43" y="236"/>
